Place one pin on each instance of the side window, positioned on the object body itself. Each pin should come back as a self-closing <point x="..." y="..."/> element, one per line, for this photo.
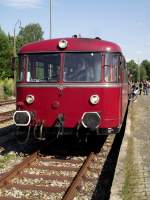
<point x="111" y="67"/>
<point x="115" y="65"/>
<point x="123" y="69"/>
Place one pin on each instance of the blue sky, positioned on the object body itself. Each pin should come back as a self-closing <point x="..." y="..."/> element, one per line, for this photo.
<point x="124" y="22"/>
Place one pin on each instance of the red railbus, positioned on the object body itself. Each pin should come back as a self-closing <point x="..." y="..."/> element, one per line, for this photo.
<point x="71" y="86"/>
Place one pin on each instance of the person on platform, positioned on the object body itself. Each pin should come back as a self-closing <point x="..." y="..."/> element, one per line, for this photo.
<point x="140" y="87"/>
<point x="145" y="87"/>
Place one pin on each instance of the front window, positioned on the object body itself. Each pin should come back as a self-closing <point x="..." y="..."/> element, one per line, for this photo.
<point x="82" y="67"/>
<point x="43" y="68"/>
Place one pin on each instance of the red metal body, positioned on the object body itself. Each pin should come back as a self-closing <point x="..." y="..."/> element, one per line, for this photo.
<point x="72" y="98"/>
<point x="74" y="44"/>
<point x="73" y="102"/>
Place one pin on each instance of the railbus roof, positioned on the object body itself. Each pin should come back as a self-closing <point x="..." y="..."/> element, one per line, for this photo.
<point x="73" y="45"/>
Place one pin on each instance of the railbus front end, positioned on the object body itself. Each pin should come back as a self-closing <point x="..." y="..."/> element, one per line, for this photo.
<point x="71" y="85"/>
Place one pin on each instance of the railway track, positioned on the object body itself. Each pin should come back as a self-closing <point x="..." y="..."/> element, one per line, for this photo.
<point x="48" y="177"/>
<point x="6" y="116"/>
<point x="3" y="103"/>
<point x="7" y="108"/>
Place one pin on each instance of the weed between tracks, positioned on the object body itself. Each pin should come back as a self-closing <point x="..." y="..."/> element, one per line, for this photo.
<point x="6" y="158"/>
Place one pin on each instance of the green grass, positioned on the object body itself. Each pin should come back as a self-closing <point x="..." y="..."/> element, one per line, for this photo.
<point x="5" y="159"/>
<point x="130" y="167"/>
<point x="130" y="172"/>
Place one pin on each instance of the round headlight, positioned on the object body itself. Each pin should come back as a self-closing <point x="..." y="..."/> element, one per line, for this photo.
<point x="62" y="44"/>
<point x="29" y="99"/>
<point x="94" y="99"/>
<point x="108" y="48"/>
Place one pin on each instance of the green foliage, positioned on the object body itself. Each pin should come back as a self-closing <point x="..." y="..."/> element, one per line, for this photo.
<point x="133" y="70"/>
<point x="1" y="90"/>
<point x="8" y="87"/>
<point x="143" y="73"/>
<point x="138" y="71"/>
<point x="30" y="33"/>
<point x="5" y="56"/>
<point x="6" y="158"/>
<point x="146" y="65"/>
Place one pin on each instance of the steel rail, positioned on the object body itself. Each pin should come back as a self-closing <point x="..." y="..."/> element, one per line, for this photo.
<point x="5" y="119"/>
<point x="3" y="103"/>
<point x="7" y="112"/>
<point x="6" y="116"/>
<point x="12" y="198"/>
<point x="5" y="179"/>
<point x="69" y="194"/>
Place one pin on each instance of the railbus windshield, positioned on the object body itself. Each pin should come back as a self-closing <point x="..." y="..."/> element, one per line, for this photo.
<point x="82" y="67"/>
<point x="76" y="67"/>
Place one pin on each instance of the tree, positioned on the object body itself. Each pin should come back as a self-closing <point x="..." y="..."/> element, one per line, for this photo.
<point x="19" y="42"/>
<point x="30" y="33"/>
<point x="143" y="73"/>
<point x="146" y="65"/>
<point x="5" y="56"/>
<point x="133" y="70"/>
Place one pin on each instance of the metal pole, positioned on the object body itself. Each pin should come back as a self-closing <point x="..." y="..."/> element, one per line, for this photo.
<point x="14" y="53"/>
<point x="139" y="73"/>
<point x="50" y="14"/>
<point x="14" y="44"/>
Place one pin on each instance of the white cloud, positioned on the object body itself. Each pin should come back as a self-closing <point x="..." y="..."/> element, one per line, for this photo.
<point x="22" y="3"/>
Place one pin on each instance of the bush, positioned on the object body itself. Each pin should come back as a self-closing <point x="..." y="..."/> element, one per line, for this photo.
<point x="1" y="90"/>
<point x="8" y="87"/>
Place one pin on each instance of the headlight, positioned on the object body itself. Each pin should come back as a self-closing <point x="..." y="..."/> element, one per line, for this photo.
<point x="63" y="44"/>
<point x="22" y="118"/>
<point x="91" y="120"/>
<point x="94" y="99"/>
<point x="29" y="99"/>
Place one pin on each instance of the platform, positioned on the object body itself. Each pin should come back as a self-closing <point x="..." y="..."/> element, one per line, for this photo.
<point x="132" y="175"/>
